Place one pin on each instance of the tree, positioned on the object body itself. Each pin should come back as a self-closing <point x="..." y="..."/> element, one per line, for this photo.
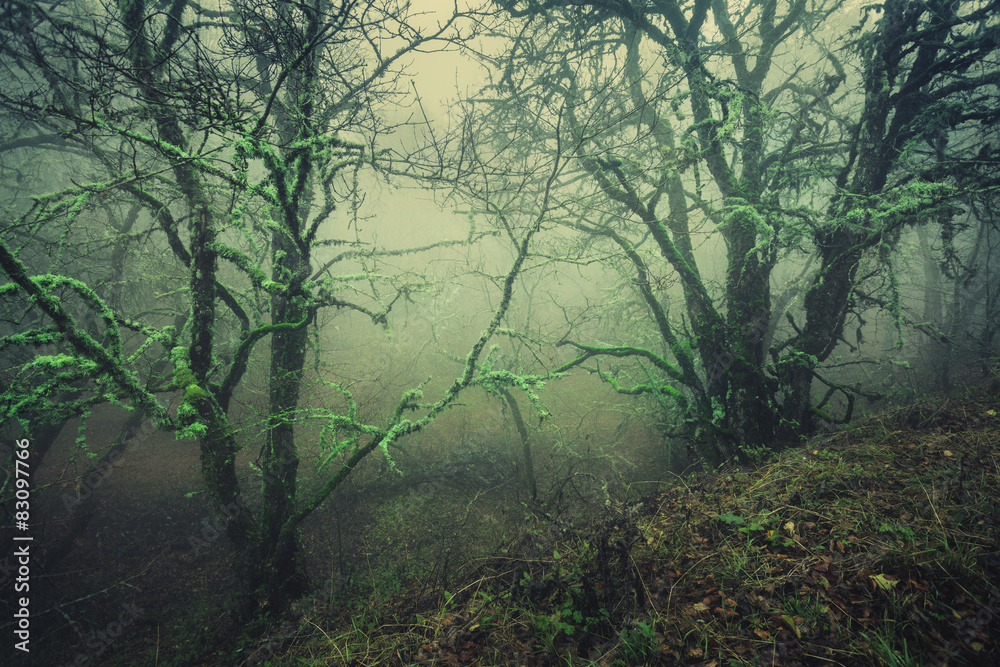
<point x="240" y="134"/>
<point x="960" y="307"/>
<point x="748" y="124"/>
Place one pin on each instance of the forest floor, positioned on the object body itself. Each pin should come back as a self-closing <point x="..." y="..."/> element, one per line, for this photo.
<point x="877" y="544"/>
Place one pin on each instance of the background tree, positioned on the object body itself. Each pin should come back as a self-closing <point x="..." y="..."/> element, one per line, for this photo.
<point x="959" y="315"/>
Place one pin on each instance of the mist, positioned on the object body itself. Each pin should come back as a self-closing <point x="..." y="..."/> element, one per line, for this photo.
<point x="318" y="300"/>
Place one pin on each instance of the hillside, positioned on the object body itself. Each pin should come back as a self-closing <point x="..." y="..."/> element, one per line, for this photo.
<point x="874" y="545"/>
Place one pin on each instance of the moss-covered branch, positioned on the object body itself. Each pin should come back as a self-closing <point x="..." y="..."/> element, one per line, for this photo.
<point x="83" y="343"/>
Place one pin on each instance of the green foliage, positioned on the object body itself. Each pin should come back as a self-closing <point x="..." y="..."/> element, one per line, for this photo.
<point x="731" y="519"/>
<point x="811" y="609"/>
<point x="571" y="606"/>
<point x="901" y="531"/>
<point x="883" y="651"/>
<point x="550" y="627"/>
<point x="493" y="607"/>
<point x="756" y="453"/>
<point x="638" y="643"/>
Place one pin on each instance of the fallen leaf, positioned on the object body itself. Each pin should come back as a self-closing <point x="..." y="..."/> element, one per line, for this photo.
<point x="790" y="622"/>
<point x="884" y="582"/>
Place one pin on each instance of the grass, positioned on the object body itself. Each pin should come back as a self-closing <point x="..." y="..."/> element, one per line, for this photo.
<point x="875" y="545"/>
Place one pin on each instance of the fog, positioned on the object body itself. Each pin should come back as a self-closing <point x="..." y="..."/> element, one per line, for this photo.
<point x="393" y="287"/>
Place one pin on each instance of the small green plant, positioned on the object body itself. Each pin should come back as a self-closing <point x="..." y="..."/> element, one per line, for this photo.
<point x="639" y="643"/>
<point x="492" y="607"/>
<point x="779" y="540"/>
<point x="885" y="654"/>
<point x="811" y="610"/>
<point x="747" y="528"/>
<point x="731" y="519"/>
<point x="549" y="626"/>
<point x="756" y="453"/>
<point x="899" y="531"/>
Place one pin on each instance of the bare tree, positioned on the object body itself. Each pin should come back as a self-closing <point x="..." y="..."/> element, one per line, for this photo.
<point x="241" y="134"/>
<point x="751" y="131"/>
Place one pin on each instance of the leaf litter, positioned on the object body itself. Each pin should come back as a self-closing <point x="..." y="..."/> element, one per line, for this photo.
<point x="878" y="544"/>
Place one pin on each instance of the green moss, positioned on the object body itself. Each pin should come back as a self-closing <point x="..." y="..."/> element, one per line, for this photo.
<point x="195" y="431"/>
<point x="193" y="392"/>
<point x="183" y="377"/>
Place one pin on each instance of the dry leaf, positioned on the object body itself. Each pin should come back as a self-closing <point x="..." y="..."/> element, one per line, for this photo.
<point x="884" y="582"/>
<point x="790" y="622"/>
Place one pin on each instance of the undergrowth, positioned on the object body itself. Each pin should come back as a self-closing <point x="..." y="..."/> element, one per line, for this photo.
<point x="874" y="545"/>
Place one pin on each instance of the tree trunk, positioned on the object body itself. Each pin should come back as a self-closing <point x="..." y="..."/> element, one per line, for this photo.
<point x="528" y="474"/>
<point x="286" y="577"/>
